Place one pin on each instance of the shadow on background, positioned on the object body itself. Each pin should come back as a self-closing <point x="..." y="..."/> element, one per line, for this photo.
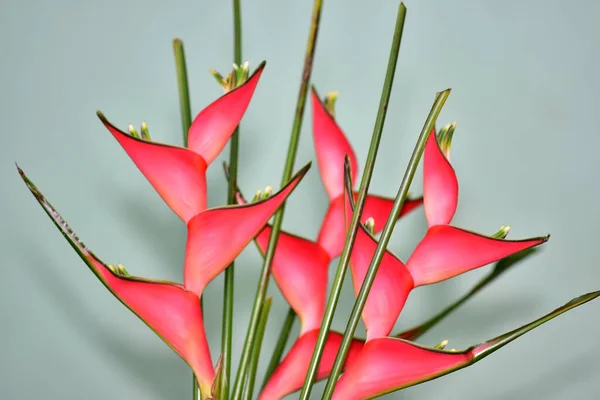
<point x="161" y="374"/>
<point x="559" y="379"/>
<point x="162" y="234"/>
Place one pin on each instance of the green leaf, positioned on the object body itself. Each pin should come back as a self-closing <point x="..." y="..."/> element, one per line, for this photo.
<point x="500" y="267"/>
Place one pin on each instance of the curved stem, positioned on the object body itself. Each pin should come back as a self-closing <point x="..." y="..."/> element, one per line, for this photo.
<point x="287" y="173"/>
<point x="362" y="195"/>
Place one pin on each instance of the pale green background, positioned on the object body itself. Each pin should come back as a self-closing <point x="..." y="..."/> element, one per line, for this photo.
<point x="524" y="75"/>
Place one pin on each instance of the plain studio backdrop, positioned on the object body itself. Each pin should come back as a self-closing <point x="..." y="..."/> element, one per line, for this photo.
<point x="524" y="79"/>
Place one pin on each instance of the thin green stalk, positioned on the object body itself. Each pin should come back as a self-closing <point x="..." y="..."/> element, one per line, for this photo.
<point x="228" y="291"/>
<point x="196" y="395"/>
<point x="182" y="84"/>
<point x="362" y="195"/>
<point x="500" y="267"/>
<point x="386" y="234"/>
<point x="186" y="121"/>
<point x="287" y="173"/>
<point x="260" y="334"/>
<point x="284" y="334"/>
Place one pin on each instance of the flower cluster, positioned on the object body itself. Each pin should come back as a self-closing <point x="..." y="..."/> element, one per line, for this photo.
<point x="214" y="236"/>
<point x="378" y="364"/>
<point x="300" y="267"/>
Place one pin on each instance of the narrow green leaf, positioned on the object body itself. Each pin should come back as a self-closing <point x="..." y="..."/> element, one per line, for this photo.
<point x="478" y="352"/>
<point x="500" y="267"/>
<point x="483" y="350"/>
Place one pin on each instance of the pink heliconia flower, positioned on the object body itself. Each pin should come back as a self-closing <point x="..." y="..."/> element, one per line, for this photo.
<point x="216" y="236"/>
<point x="332" y="146"/>
<point x="300" y="266"/>
<point x="300" y="270"/>
<point x="387" y="364"/>
<point x="444" y="252"/>
<point x="289" y="375"/>
<point x="179" y="174"/>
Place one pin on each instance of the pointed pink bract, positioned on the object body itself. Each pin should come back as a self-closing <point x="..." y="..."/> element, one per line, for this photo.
<point x="289" y="375"/>
<point x="300" y="269"/>
<point x="332" y="235"/>
<point x="386" y="364"/>
<point x="172" y="312"/>
<point x="390" y="289"/>
<point x="440" y="185"/>
<point x="446" y="251"/>
<point x="213" y="126"/>
<point x="217" y="236"/>
<point x="331" y="147"/>
<point x="177" y="174"/>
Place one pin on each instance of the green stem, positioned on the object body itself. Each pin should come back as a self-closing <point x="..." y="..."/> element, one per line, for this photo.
<point x="284" y="334"/>
<point x="228" y="292"/>
<point x="260" y="334"/>
<point x="196" y="395"/>
<point x="287" y="173"/>
<point x="186" y="121"/>
<point x="386" y="234"/>
<point x="501" y="267"/>
<point x="237" y="32"/>
<point x="362" y="195"/>
<point x="182" y="84"/>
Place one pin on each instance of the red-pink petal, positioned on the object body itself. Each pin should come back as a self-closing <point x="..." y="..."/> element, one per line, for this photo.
<point x="172" y="312"/>
<point x="385" y="364"/>
<point x="213" y="126"/>
<point x="379" y="208"/>
<point x="291" y="372"/>
<point x="332" y="235"/>
<point x="217" y="236"/>
<point x="300" y="270"/>
<point x="440" y="186"/>
<point x="177" y="174"/>
<point x="331" y="147"/>
<point x="446" y="251"/>
<point x="390" y="289"/>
